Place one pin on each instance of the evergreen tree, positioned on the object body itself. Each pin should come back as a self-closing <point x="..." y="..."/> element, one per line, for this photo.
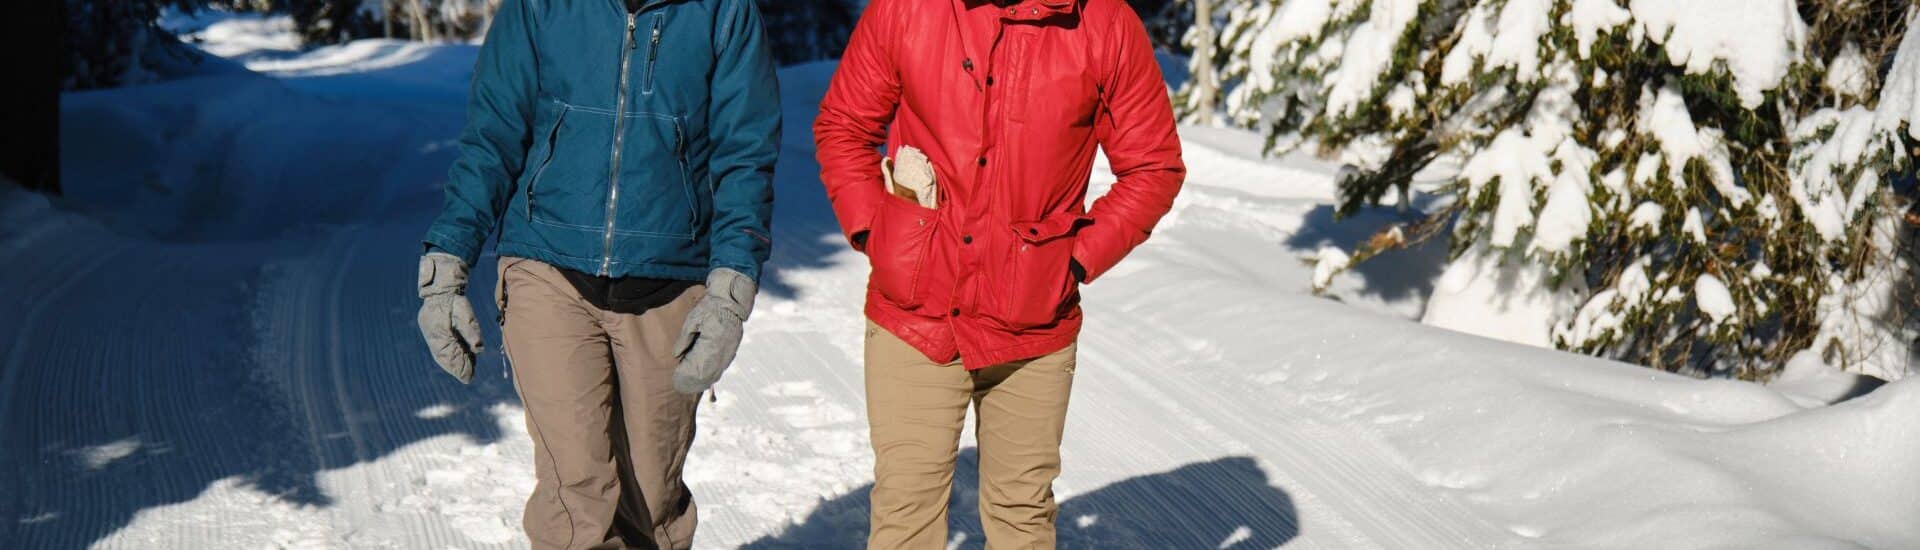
<point x="1167" y="21"/>
<point x="799" y="31"/>
<point x="1705" y="185"/>
<point x="117" y="43"/>
<point x="808" y="31"/>
<point x="337" y="21"/>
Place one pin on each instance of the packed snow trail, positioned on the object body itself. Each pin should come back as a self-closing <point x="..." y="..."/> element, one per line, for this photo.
<point x="212" y="345"/>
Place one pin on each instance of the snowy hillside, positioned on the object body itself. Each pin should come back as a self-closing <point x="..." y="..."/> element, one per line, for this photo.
<point x="211" y="345"/>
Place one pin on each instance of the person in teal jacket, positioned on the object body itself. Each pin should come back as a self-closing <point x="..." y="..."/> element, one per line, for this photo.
<point x="624" y="153"/>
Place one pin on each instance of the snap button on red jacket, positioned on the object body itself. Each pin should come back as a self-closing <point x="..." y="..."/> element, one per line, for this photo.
<point x="1010" y="103"/>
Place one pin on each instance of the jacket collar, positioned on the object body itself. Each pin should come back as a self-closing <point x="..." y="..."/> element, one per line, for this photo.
<point x="621" y="6"/>
<point x="1031" y="10"/>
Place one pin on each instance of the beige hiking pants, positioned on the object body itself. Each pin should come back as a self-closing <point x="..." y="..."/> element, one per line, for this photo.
<point x="915" y="408"/>
<point x="610" y="434"/>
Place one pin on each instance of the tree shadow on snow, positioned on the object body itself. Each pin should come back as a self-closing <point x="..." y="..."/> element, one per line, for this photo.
<point x="240" y="362"/>
<point x="253" y="387"/>
<point x="1225" y="503"/>
<point x="1396" y="275"/>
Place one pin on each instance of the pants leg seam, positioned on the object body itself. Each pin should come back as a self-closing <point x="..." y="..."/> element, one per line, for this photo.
<point x="679" y="480"/>
<point x="559" y="491"/>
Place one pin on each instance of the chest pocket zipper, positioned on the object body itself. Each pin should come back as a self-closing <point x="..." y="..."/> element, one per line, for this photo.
<point x="653" y="52"/>
<point x="553" y="140"/>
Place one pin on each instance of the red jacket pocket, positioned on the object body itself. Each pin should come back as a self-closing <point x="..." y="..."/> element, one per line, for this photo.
<point x="1037" y="286"/>
<point x="897" y="248"/>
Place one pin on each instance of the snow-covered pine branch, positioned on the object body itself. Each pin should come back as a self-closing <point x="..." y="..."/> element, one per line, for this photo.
<point x="118" y="43"/>
<point x="1700" y="186"/>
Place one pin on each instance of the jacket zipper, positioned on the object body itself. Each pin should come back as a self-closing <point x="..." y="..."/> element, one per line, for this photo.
<point x="619" y="135"/>
<point x="653" y="53"/>
<point x="686" y="178"/>
<point x="553" y="137"/>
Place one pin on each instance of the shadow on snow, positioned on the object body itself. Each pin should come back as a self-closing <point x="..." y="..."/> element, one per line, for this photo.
<point x="1226" y="503"/>
<point x="1396" y="275"/>
<point x="266" y="341"/>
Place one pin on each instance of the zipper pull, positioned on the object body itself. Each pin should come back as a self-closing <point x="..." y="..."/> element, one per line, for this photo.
<point x="630" y="26"/>
<point x="653" y="44"/>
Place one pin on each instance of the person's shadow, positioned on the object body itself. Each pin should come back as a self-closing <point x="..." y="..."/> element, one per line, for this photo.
<point x="1226" y="503"/>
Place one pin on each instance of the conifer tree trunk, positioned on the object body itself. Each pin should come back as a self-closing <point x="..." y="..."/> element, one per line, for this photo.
<point x="1206" y="84"/>
<point x="422" y="28"/>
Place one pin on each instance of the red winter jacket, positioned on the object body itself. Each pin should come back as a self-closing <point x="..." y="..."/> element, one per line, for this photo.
<point x="1009" y="103"/>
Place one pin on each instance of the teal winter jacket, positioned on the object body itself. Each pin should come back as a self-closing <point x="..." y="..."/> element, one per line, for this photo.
<point x="619" y="143"/>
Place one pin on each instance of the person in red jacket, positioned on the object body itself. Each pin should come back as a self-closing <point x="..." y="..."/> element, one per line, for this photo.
<point x="976" y="301"/>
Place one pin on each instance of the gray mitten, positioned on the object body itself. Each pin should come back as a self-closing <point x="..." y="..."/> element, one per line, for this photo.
<point x="446" y="317"/>
<point x="712" y="332"/>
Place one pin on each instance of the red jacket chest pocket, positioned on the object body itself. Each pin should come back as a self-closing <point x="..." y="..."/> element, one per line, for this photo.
<point x="1050" y="84"/>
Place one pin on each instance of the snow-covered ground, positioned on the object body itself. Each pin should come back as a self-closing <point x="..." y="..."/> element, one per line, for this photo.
<point x="210" y="344"/>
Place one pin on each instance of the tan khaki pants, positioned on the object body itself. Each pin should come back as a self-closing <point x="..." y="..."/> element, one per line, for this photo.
<point x="915" y="408"/>
<point x="610" y="434"/>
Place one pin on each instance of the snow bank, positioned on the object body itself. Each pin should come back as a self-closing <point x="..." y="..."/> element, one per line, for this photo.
<point x="1486" y="292"/>
<point x="1550" y="449"/>
<point x="1718" y="464"/>
<point x="245" y="155"/>
<point x="1870" y="439"/>
<point x="236" y="36"/>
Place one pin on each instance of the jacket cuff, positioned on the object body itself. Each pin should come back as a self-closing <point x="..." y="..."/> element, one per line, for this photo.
<point x="750" y="269"/>
<point x="855" y="212"/>
<point x="1092" y="263"/>
<point x="860" y="230"/>
<point x="468" y="250"/>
